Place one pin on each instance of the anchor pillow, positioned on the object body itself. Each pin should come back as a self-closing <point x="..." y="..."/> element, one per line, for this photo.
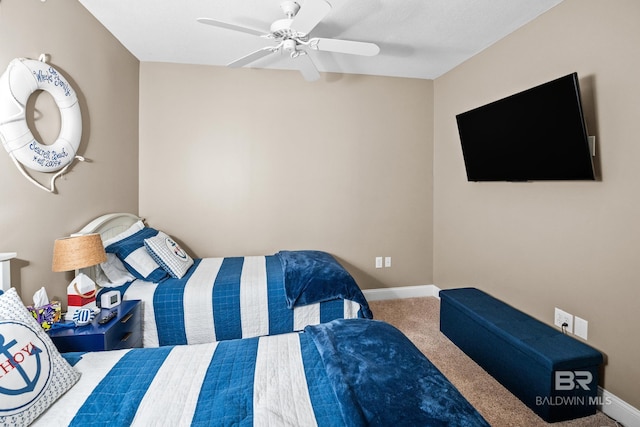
<point x="169" y="255"/>
<point x="32" y="372"/>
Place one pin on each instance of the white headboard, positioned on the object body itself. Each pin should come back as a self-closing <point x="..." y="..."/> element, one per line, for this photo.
<point x="108" y="226"/>
<point x="5" y="269"/>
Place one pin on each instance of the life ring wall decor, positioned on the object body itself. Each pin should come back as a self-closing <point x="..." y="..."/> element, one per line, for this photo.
<point x="22" y="78"/>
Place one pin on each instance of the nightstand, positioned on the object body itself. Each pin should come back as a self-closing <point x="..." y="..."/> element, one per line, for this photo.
<point x="123" y="331"/>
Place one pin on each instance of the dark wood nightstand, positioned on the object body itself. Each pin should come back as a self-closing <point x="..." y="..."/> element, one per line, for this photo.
<point x="123" y="331"/>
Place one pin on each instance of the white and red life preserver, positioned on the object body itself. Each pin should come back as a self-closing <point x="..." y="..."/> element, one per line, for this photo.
<point x="22" y="78"/>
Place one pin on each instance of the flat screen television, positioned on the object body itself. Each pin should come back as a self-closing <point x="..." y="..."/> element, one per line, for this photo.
<point x="537" y="134"/>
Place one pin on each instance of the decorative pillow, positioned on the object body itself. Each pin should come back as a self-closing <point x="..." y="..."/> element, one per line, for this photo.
<point x="129" y="247"/>
<point x="166" y="252"/>
<point x="32" y="372"/>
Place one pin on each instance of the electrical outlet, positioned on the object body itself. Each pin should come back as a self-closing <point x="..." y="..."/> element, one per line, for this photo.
<point x="563" y="317"/>
<point x="580" y="327"/>
<point x="378" y="262"/>
<point x="387" y="261"/>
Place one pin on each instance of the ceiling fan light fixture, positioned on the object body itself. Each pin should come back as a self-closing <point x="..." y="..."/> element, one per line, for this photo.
<point x="289" y="45"/>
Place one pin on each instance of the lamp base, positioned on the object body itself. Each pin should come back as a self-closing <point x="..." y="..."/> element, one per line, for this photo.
<point x="81" y="293"/>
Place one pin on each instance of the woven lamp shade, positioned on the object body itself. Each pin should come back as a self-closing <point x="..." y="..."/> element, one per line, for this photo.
<point x="73" y="253"/>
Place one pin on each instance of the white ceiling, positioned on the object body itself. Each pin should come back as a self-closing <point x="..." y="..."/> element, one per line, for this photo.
<point x="417" y="38"/>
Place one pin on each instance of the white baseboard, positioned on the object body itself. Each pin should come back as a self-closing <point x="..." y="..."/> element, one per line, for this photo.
<point x="401" y="292"/>
<point x="618" y="409"/>
<point x="611" y="405"/>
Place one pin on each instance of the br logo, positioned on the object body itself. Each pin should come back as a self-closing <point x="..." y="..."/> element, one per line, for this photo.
<point x="25" y="367"/>
<point x="569" y="380"/>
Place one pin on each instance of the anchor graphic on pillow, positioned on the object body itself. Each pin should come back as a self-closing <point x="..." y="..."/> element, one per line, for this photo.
<point x="14" y="361"/>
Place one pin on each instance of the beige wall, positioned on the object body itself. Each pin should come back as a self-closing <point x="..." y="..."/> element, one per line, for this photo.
<point x="249" y="162"/>
<point x="105" y="77"/>
<point x="540" y="245"/>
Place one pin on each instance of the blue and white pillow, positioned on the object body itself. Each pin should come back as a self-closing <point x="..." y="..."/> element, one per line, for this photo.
<point x="37" y="374"/>
<point x="166" y="252"/>
<point x="129" y="247"/>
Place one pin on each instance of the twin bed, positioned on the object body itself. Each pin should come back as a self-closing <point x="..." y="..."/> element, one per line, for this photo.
<point x="326" y="376"/>
<point x="220" y="298"/>
<point x="340" y="368"/>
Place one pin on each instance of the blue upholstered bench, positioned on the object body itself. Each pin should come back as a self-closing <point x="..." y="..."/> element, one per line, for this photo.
<point x="552" y="373"/>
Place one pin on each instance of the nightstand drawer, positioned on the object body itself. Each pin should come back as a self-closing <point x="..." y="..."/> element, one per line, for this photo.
<point x="126" y="331"/>
<point x="123" y="331"/>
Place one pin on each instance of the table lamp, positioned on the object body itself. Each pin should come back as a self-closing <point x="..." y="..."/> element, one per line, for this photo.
<point x="75" y="253"/>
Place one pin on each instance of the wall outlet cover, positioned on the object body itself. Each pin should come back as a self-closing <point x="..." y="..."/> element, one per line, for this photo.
<point x="561" y="317"/>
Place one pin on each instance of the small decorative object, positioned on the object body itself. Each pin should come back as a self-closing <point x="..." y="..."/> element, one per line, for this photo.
<point x="74" y="253"/>
<point x="81" y="293"/>
<point x="83" y="316"/>
<point x="22" y="78"/>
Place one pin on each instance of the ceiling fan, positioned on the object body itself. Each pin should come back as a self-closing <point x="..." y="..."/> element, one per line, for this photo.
<point x="292" y="35"/>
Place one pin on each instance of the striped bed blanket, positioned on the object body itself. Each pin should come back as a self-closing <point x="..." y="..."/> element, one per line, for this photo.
<point x="354" y="372"/>
<point x="242" y="297"/>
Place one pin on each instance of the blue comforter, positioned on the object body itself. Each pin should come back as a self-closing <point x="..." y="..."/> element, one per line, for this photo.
<point x="373" y="367"/>
<point x="354" y="372"/>
<point x="316" y="276"/>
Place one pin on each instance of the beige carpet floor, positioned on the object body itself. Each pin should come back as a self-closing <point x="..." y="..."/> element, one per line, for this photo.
<point x="419" y="319"/>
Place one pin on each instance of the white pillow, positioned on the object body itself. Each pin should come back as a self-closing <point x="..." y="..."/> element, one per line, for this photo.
<point x="115" y="273"/>
<point x="37" y="374"/>
<point x="168" y="254"/>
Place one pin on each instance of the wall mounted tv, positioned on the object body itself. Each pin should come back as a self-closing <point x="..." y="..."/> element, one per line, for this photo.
<point x="537" y="134"/>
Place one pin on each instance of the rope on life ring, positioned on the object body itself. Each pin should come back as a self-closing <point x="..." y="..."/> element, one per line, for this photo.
<point x="22" y="78"/>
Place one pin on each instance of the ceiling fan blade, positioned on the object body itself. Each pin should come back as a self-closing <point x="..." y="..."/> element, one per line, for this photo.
<point x="307" y="68"/>
<point x="344" y="46"/>
<point x="228" y="26"/>
<point x="254" y="56"/>
<point x="310" y="15"/>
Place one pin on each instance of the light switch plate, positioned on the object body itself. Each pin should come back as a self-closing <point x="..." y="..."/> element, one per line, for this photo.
<point x="580" y="327"/>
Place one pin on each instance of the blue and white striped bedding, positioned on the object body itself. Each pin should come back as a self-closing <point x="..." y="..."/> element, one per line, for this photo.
<point x="284" y="380"/>
<point x="228" y="298"/>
